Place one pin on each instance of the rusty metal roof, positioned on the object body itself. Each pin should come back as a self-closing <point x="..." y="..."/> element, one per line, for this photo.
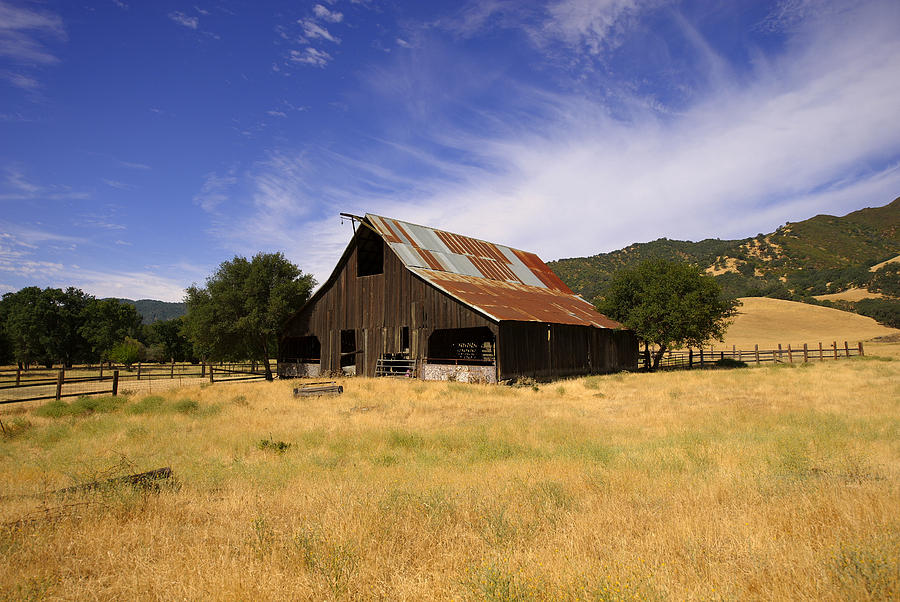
<point x="501" y="282"/>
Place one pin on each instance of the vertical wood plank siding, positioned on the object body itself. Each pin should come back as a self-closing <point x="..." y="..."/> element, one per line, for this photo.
<point x="525" y="349"/>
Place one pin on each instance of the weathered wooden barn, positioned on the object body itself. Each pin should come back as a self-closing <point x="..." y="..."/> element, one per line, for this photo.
<point x="409" y="300"/>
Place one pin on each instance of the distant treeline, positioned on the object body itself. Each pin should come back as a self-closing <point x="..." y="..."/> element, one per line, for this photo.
<point x="54" y="326"/>
<point x="152" y="310"/>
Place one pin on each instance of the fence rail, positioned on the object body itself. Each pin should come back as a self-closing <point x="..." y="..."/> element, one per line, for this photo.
<point x="20" y="385"/>
<point x="686" y="359"/>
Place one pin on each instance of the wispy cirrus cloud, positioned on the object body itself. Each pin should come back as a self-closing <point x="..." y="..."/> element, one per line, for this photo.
<point x="330" y="16"/>
<point x="313" y="31"/>
<point x="184" y="20"/>
<point x="310" y="56"/>
<point x="16" y="186"/>
<point x="26" y="37"/>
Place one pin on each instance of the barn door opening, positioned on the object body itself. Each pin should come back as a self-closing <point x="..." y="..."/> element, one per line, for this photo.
<point x="348" y="352"/>
<point x="299" y="357"/>
<point x="462" y="346"/>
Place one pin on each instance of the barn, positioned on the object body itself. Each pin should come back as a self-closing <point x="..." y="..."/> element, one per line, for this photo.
<point x="410" y="300"/>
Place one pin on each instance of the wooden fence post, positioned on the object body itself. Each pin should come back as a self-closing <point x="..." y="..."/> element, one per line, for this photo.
<point x="139" y="371"/>
<point x="861" y="353"/>
<point x="701" y="356"/>
<point x="690" y="358"/>
<point x="210" y="373"/>
<point x="101" y="371"/>
<point x="172" y="372"/>
<point x="834" y="344"/>
<point x="756" y="353"/>
<point x="115" y="389"/>
<point x="19" y="373"/>
<point x="202" y="369"/>
<point x="821" y="357"/>
<point x="790" y="354"/>
<point x="805" y="353"/>
<point x="60" y="378"/>
<point x="780" y="354"/>
<point x="846" y="349"/>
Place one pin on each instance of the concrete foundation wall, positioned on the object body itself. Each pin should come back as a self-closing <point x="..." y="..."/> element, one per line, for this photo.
<point x="294" y="370"/>
<point x="463" y="374"/>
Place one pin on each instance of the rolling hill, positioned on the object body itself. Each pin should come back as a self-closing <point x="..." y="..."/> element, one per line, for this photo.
<point x="819" y="256"/>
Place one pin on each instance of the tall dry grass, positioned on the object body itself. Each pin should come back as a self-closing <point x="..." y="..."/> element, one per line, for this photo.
<point x="747" y="484"/>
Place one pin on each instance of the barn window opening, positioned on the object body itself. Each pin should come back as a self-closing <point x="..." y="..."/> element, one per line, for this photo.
<point x="404" y="338"/>
<point x="301" y="350"/>
<point x="461" y="346"/>
<point x="369" y="253"/>
<point x="348" y="348"/>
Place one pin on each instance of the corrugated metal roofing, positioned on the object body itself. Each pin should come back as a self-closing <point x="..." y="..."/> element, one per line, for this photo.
<point x="500" y="282"/>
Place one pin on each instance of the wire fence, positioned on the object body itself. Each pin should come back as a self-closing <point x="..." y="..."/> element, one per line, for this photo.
<point x="19" y="385"/>
<point x="687" y="359"/>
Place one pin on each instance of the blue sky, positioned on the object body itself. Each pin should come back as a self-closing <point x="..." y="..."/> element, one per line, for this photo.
<point x="143" y="143"/>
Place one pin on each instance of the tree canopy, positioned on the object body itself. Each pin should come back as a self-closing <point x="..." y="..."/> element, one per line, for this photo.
<point x="239" y="314"/>
<point x="53" y="326"/>
<point x="669" y="305"/>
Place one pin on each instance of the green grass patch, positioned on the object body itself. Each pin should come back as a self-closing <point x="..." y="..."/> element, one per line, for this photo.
<point x="80" y="407"/>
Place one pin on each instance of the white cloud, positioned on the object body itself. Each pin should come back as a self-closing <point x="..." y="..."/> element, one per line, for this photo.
<point x="17" y="187"/>
<point x="215" y="191"/>
<point x="22" y="31"/>
<point x="184" y="20"/>
<point x="327" y="15"/>
<point x="310" y="56"/>
<point x="312" y="31"/>
<point x="592" y="24"/>
<point x="273" y="113"/>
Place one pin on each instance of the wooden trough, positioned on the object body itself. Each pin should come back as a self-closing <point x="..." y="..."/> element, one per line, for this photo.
<point x="315" y="389"/>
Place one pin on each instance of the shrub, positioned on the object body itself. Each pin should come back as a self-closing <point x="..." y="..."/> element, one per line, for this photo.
<point x="278" y="447"/>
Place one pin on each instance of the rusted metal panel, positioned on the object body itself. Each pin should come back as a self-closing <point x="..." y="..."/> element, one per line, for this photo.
<point x="516" y="301"/>
<point x="501" y="282"/>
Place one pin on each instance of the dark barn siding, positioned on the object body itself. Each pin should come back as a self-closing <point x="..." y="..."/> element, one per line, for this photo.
<point x="525" y="349"/>
<point x="377" y="307"/>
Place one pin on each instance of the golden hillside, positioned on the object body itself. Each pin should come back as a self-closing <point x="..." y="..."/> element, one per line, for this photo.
<point x="768" y="322"/>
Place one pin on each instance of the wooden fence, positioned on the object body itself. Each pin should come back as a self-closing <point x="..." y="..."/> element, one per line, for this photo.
<point x="686" y="359"/>
<point x="18" y="385"/>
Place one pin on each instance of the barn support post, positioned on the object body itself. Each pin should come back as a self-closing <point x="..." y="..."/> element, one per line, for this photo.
<point x="861" y="352"/>
<point x="60" y="378"/>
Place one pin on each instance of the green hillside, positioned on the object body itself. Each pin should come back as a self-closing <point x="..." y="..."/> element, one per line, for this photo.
<point x="152" y="310"/>
<point x="824" y="254"/>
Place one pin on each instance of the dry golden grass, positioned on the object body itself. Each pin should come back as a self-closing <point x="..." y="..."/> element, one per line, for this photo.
<point x="768" y="322"/>
<point x="748" y="484"/>
<point x="851" y="294"/>
<point x="878" y="266"/>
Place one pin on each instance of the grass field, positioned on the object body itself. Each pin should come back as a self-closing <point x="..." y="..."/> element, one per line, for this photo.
<point x="777" y="482"/>
<point x="768" y="322"/>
